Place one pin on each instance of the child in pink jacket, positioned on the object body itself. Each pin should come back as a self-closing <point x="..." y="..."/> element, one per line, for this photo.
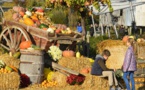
<point x="129" y="65"/>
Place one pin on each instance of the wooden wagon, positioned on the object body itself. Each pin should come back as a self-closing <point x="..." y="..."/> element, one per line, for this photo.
<point x="13" y="33"/>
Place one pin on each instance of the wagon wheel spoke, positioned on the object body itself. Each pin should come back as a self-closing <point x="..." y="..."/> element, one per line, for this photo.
<point x="10" y="34"/>
<point x="15" y="37"/>
<point x="5" y="47"/>
<point x="7" y="40"/>
<point x="18" y="42"/>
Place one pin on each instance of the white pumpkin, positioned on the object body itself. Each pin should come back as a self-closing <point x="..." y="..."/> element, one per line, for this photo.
<point x="50" y="30"/>
<point x="28" y="13"/>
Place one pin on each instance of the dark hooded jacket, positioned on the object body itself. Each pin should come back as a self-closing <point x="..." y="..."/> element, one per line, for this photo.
<point x="99" y="66"/>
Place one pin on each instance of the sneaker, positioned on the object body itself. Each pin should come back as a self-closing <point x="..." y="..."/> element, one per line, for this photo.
<point x="117" y="88"/>
<point x="111" y="88"/>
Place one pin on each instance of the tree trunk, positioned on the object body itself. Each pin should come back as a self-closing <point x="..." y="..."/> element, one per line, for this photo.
<point x="72" y="18"/>
<point x="83" y="25"/>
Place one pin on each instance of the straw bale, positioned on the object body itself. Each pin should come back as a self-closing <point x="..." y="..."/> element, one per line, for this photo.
<point x="56" y="88"/>
<point x="8" y="60"/>
<point x="95" y="83"/>
<point x="74" y="63"/>
<point x="9" y="81"/>
<point x="141" y="50"/>
<point x="2" y="51"/>
<point x="117" y="49"/>
<point x="60" y="79"/>
<point x="139" y="83"/>
<point x="91" y="83"/>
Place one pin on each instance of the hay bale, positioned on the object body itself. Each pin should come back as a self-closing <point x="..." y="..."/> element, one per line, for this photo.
<point x="139" y="83"/>
<point x="8" y="60"/>
<point x="91" y="82"/>
<point x="74" y="63"/>
<point x="117" y="49"/>
<point x="60" y="79"/>
<point x="9" y="81"/>
<point x="95" y="83"/>
<point x="2" y="50"/>
<point x="141" y="50"/>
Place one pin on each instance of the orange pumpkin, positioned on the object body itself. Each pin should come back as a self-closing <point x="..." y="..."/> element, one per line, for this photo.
<point x="34" y="18"/>
<point x="28" y="21"/>
<point x="21" y="13"/>
<point x="85" y="71"/>
<point x="68" y="53"/>
<point x="125" y="38"/>
<point x="25" y="44"/>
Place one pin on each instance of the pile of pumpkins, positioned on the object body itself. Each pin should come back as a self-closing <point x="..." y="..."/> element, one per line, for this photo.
<point x="139" y="40"/>
<point x="36" y="17"/>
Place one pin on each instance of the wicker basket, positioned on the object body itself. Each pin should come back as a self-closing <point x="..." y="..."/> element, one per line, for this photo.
<point x="9" y="81"/>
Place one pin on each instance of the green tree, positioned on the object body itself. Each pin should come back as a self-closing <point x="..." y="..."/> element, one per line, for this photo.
<point x="77" y="6"/>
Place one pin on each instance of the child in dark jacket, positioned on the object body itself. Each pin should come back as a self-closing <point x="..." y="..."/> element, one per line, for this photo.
<point x="99" y="68"/>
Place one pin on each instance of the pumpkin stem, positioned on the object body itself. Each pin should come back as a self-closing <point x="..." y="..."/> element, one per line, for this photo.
<point x="67" y="48"/>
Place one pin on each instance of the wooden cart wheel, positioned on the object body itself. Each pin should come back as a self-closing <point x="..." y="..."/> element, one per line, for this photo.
<point x="12" y="36"/>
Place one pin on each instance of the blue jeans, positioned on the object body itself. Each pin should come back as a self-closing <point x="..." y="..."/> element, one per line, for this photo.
<point x="130" y="74"/>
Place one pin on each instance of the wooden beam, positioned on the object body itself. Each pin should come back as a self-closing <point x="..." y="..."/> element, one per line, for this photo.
<point x="57" y="66"/>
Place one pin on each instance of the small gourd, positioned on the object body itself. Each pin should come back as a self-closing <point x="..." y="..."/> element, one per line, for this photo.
<point x="28" y="13"/>
<point x="84" y="71"/>
<point x="50" y="30"/>
<point x="78" y="55"/>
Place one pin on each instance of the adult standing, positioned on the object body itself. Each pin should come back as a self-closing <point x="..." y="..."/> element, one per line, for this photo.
<point x="129" y="65"/>
<point x="79" y="28"/>
<point x="122" y="31"/>
<point x="91" y="30"/>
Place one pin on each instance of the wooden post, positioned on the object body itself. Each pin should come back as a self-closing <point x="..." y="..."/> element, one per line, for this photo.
<point x="93" y="22"/>
<point x="114" y="26"/>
